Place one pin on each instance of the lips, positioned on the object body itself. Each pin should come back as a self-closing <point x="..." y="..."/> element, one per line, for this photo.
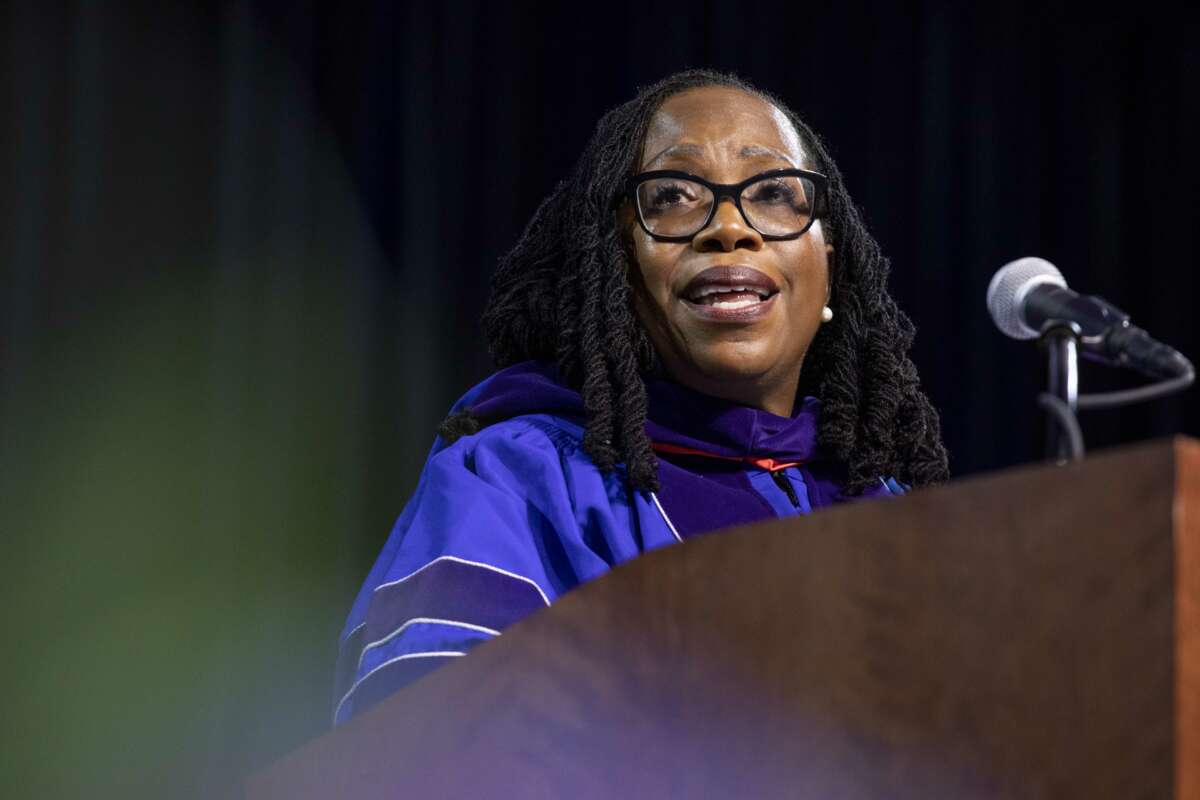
<point x="735" y="292"/>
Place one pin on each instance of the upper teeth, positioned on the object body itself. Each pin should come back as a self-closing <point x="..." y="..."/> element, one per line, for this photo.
<point x="707" y="290"/>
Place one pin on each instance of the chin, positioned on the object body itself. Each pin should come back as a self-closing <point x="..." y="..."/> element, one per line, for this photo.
<point x="735" y="361"/>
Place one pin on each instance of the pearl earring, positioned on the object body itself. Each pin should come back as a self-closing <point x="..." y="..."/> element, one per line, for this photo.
<point x="826" y="314"/>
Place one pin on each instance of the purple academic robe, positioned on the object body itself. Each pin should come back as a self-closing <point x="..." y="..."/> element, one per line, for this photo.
<point x="505" y="521"/>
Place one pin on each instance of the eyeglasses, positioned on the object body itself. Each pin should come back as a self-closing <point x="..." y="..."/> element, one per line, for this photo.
<point x="780" y="204"/>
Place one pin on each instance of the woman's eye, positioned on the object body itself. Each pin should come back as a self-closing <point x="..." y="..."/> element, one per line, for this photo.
<point x="670" y="195"/>
<point x="773" y="192"/>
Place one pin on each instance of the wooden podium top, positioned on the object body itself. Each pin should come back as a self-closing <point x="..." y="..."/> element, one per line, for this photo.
<point x="1029" y="634"/>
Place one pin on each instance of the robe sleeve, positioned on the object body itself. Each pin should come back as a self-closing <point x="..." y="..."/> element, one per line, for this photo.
<point x="490" y="535"/>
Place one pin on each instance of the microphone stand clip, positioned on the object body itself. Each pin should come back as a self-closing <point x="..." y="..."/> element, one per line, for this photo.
<point x="1064" y="438"/>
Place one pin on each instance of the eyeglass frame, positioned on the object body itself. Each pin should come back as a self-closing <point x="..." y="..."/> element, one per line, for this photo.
<point x="734" y="192"/>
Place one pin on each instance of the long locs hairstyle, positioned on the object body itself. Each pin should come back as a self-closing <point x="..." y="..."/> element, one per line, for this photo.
<point x="562" y="294"/>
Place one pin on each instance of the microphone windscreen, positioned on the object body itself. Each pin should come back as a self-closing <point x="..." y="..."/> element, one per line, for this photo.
<point x="1006" y="293"/>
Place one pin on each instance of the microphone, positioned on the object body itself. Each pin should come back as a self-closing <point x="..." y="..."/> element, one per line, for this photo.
<point x="1027" y="293"/>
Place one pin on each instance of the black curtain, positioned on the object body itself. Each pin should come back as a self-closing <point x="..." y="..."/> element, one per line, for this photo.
<point x="246" y="246"/>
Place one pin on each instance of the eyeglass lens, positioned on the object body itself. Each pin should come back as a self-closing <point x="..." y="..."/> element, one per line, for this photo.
<point x="774" y="206"/>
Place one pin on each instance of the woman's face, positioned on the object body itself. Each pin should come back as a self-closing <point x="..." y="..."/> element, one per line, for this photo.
<point x="741" y="347"/>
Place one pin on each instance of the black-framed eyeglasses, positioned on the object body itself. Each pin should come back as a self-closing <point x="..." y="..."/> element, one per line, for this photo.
<point x="674" y="206"/>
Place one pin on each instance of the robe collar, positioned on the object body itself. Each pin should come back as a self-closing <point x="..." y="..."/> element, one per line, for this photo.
<point x="698" y="438"/>
<point x="679" y="420"/>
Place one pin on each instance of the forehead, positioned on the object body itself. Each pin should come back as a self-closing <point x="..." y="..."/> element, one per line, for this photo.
<point x="721" y="120"/>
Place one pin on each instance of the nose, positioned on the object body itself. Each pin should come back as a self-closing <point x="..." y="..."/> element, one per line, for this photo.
<point x="727" y="231"/>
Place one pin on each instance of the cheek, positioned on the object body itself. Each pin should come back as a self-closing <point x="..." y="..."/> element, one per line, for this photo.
<point x="649" y="279"/>
<point x="655" y="261"/>
<point x="809" y="275"/>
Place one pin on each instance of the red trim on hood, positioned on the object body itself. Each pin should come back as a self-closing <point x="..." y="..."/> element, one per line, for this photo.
<point x="769" y="464"/>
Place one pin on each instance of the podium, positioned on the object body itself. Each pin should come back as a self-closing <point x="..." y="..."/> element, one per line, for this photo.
<point x="1028" y="634"/>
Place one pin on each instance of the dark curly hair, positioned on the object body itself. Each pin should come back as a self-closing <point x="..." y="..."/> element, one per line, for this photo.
<point x="562" y="295"/>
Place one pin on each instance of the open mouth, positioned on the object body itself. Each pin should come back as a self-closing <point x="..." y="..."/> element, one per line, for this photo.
<point x="730" y="297"/>
<point x="730" y="290"/>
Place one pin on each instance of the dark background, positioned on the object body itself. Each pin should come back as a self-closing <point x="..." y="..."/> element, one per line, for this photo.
<point x="245" y="249"/>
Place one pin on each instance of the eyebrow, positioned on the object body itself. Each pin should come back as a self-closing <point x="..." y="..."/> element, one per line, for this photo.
<point x="747" y="152"/>
<point x="758" y="151"/>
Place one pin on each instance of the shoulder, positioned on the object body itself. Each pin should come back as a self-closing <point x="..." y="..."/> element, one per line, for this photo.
<point x="527" y="441"/>
<point x="535" y="429"/>
<point x="486" y="498"/>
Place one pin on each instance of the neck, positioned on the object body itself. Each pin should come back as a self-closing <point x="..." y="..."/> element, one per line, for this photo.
<point x="776" y="397"/>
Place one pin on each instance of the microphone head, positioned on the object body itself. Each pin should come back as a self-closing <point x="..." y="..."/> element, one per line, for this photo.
<point x="1006" y="293"/>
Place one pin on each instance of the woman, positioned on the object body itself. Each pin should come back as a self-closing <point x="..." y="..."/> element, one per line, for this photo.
<point x="695" y="332"/>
